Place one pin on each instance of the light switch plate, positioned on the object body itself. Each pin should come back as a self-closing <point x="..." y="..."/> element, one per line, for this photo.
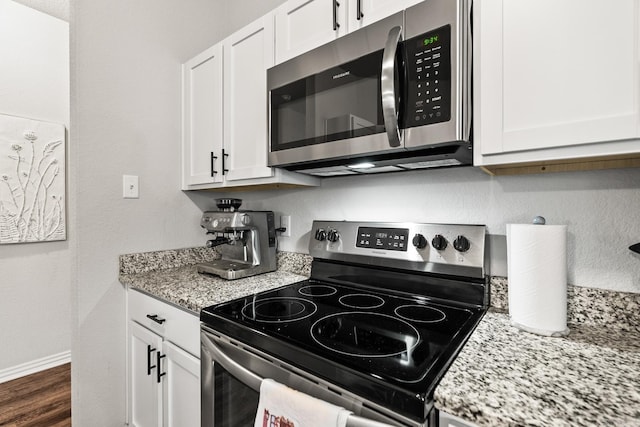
<point x="285" y="222"/>
<point x="130" y="187"/>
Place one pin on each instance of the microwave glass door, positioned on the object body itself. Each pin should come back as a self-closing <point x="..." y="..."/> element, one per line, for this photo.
<point x="339" y="103"/>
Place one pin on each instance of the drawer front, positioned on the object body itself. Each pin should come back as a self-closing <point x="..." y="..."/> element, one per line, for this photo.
<point x="172" y="323"/>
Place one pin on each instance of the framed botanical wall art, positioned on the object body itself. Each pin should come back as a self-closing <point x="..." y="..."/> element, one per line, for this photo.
<point x="32" y="180"/>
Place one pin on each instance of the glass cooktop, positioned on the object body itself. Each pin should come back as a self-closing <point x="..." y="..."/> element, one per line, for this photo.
<point x="378" y="344"/>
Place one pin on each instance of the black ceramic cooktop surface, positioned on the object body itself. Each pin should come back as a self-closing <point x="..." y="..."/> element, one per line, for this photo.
<point x="380" y="345"/>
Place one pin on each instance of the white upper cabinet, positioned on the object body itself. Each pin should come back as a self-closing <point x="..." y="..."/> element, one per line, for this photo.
<point x="202" y="117"/>
<point x="302" y="25"/>
<point x="247" y="55"/>
<point x="555" y="80"/>
<point x="225" y="139"/>
<point x="365" y="12"/>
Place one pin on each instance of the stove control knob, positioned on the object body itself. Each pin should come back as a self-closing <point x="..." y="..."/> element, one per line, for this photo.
<point x="419" y="241"/>
<point x="246" y="219"/>
<point x="321" y="234"/>
<point x="439" y="243"/>
<point x="461" y="244"/>
<point x="333" y="236"/>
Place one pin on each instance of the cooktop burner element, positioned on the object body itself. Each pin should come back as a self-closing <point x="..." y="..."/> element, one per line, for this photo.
<point x="381" y="320"/>
<point x="362" y="301"/>
<point x="420" y="313"/>
<point x="365" y="334"/>
<point x="317" y="290"/>
<point x="277" y="310"/>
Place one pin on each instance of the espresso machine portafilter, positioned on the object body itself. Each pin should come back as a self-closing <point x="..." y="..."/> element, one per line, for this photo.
<point x="246" y="241"/>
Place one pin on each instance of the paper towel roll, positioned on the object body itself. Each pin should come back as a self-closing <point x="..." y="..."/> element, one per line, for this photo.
<point x="537" y="270"/>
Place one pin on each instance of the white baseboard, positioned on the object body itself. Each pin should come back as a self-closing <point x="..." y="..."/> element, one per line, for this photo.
<point x="35" y="366"/>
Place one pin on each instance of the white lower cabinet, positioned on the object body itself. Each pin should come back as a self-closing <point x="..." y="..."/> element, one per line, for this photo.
<point x="163" y="369"/>
<point x="181" y="388"/>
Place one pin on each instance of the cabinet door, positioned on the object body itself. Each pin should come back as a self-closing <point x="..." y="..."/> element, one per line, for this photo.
<point x="202" y="137"/>
<point x="181" y="387"/>
<point x="365" y="12"/>
<point x="554" y="74"/>
<point x="302" y="25"/>
<point x="248" y="54"/>
<point x="144" y="391"/>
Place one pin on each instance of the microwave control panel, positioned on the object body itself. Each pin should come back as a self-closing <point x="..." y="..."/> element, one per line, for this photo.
<point x="428" y="68"/>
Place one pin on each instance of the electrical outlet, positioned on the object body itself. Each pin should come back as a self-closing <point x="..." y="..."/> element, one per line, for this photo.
<point x="130" y="187"/>
<point x="285" y="222"/>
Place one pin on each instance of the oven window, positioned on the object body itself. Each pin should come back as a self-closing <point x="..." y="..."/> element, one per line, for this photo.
<point x="339" y="103"/>
<point x="235" y="403"/>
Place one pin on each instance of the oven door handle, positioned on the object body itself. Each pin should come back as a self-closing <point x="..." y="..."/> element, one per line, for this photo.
<point x="253" y="381"/>
<point x="388" y="87"/>
<point x="242" y="374"/>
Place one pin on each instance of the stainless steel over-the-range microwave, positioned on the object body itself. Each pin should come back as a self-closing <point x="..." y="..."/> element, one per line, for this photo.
<point x="394" y="95"/>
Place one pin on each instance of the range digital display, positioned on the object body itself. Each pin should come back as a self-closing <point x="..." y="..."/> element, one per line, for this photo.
<point x="390" y="239"/>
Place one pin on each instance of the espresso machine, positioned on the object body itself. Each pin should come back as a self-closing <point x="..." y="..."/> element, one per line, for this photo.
<point x="246" y="241"/>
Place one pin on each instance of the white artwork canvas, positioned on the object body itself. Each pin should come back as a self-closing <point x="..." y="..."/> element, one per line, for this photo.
<point x="32" y="180"/>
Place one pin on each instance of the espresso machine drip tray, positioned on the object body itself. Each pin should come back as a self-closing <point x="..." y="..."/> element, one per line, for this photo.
<point x="227" y="269"/>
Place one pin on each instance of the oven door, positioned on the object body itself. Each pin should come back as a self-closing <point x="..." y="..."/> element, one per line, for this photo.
<point x="232" y="373"/>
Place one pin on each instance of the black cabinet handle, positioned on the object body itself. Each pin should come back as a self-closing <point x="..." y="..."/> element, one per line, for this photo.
<point x="156" y="319"/>
<point x="213" y="158"/>
<point x="359" y="14"/>
<point x="336" y="5"/>
<point x="158" y="362"/>
<point x="149" y="365"/>
<point x="224" y="170"/>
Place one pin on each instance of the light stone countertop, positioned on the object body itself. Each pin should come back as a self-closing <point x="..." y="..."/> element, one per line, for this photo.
<point x="507" y="377"/>
<point x="188" y="289"/>
<point x="502" y="376"/>
<point x="172" y="277"/>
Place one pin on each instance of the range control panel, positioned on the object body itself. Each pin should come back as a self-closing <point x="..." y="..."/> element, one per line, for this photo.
<point x="392" y="239"/>
<point x="440" y="248"/>
<point x="429" y="78"/>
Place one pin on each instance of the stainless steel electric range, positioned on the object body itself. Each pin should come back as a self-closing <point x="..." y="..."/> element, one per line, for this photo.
<point x="384" y="313"/>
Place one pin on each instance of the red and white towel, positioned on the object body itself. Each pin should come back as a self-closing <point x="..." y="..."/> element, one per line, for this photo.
<point x="281" y="406"/>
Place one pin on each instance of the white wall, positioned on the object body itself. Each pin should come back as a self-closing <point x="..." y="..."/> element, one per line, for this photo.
<point x="126" y="107"/>
<point x="600" y="208"/>
<point x="34" y="277"/>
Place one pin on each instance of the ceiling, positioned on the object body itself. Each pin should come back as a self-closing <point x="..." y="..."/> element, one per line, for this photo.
<point x="57" y="8"/>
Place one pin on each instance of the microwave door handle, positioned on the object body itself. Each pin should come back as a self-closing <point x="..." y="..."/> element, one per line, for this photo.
<point x="388" y="87"/>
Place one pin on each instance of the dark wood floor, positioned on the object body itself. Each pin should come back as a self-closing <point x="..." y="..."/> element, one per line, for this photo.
<point x="42" y="399"/>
